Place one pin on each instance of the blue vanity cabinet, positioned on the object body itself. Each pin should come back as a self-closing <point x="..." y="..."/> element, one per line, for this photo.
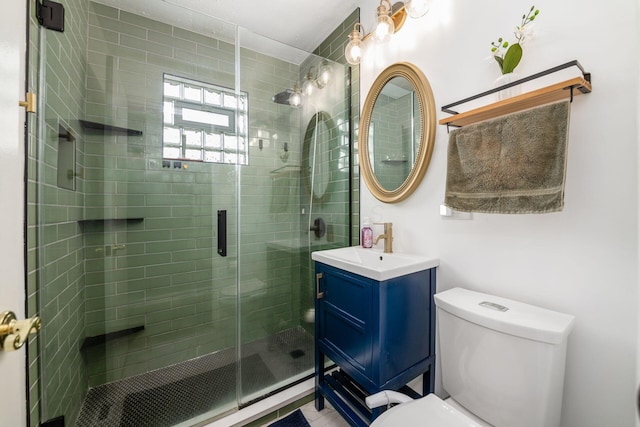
<point x="380" y="334"/>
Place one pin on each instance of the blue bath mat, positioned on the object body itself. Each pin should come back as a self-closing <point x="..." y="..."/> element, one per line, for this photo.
<point x="294" y="419"/>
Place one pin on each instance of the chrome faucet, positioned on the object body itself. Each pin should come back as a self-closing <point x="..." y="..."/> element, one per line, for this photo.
<point x="387" y="236"/>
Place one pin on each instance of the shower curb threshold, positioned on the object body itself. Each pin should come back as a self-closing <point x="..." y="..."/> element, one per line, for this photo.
<point x="265" y="406"/>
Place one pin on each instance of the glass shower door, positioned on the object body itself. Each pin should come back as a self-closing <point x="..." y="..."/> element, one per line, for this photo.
<point x="169" y="234"/>
<point x="278" y="208"/>
<point x="134" y="168"/>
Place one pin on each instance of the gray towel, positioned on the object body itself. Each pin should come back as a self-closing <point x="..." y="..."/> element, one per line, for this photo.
<point x="514" y="164"/>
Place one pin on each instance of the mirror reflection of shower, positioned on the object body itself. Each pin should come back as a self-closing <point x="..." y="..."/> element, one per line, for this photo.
<point x="291" y="97"/>
<point x="315" y="78"/>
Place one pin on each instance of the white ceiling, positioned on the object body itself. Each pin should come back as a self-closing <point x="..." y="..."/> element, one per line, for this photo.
<point x="301" y="24"/>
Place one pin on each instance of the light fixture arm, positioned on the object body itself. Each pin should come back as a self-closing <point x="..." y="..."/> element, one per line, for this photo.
<point x="397" y="12"/>
<point x="384" y="9"/>
<point x="398" y="15"/>
<point x="388" y="2"/>
<point x="358" y="32"/>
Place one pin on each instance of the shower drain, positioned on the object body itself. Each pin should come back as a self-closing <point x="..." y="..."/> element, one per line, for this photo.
<point x="296" y="353"/>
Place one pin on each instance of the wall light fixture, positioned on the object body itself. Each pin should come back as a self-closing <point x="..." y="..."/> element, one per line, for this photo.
<point x="316" y="78"/>
<point x="296" y="96"/>
<point x="390" y="18"/>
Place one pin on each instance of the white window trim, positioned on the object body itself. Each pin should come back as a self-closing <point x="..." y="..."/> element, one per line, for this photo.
<point x="227" y="132"/>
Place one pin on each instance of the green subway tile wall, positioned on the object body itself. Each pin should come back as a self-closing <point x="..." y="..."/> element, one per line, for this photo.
<point x="87" y="278"/>
<point x="393" y="157"/>
<point x="55" y="262"/>
<point x="333" y="49"/>
<point x="334" y="209"/>
<point x="164" y="272"/>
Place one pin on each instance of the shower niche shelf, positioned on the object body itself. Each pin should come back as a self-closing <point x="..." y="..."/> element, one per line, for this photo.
<point x="391" y="161"/>
<point x="566" y="89"/>
<point x="283" y="170"/>
<point x="102" y="221"/>
<point x="109" y="336"/>
<point x="108" y="129"/>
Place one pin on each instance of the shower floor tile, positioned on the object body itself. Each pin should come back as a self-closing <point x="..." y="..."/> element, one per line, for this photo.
<point x="179" y="392"/>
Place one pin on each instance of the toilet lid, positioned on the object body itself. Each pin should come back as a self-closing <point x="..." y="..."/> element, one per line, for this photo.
<point x="429" y="410"/>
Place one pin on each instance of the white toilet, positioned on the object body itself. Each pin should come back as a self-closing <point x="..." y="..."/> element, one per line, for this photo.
<point x="502" y="364"/>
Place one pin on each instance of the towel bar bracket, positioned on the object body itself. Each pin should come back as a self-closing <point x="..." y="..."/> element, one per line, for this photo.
<point x="574" y="63"/>
<point x="538" y="97"/>
<point x="571" y="93"/>
<point x="451" y="125"/>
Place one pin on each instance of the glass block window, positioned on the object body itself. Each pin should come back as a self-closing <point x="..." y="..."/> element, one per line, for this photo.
<point x="203" y="122"/>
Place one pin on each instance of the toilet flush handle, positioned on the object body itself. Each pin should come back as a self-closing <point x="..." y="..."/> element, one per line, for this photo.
<point x="493" y="306"/>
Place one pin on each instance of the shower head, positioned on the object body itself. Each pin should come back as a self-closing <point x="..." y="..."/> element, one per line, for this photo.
<point x="285" y="98"/>
<point x="282" y="97"/>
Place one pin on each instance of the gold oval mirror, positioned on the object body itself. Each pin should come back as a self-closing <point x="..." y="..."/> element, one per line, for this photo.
<point x="397" y="132"/>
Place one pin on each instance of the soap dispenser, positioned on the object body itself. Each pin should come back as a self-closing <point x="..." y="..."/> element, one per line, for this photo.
<point x="366" y="236"/>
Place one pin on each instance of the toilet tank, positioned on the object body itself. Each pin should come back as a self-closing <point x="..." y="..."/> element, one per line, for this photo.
<point x="501" y="359"/>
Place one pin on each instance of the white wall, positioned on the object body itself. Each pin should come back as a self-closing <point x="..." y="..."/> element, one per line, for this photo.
<point x="638" y="331"/>
<point x="12" y="118"/>
<point x="583" y="260"/>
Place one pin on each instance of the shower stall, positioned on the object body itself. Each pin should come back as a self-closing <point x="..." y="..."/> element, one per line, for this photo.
<point x="175" y="193"/>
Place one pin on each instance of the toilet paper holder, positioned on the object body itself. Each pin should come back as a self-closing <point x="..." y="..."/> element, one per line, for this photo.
<point x="13" y="332"/>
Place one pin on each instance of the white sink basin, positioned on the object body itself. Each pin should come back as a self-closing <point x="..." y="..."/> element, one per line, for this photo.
<point x="373" y="263"/>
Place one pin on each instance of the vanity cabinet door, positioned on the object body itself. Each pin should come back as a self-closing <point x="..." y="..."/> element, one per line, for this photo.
<point x="404" y="321"/>
<point x="344" y="319"/>
<point x="381" y="334"/>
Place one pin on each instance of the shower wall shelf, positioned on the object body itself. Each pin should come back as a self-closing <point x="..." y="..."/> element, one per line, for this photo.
<point x="556" y="92"/>
<point x="102" y="128"/>
<point x="110" y="221"/>
<point x="285" y="169"/>
<point x="110" y="336"/>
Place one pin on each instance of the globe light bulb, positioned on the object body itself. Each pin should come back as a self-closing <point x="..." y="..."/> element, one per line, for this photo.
<point x="353" y="51"/>
<point x="324" y="76"/>
<point x="308" y="85"/>
<point x="384" y="26"/>
<point x="296" y="97"/>
<point x="295" y="100"/>
<point x="416" y="8"/>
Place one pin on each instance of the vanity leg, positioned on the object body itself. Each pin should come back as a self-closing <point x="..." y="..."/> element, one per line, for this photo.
<point x="319" y="379"/>
<point x="319" y="358"/>
<point x="375" y="413"/>
<point x="428" y="381"/>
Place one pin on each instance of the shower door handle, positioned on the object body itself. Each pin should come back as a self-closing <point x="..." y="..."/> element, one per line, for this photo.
<point x="319" y="295"/>
<point x="222" y="232"/>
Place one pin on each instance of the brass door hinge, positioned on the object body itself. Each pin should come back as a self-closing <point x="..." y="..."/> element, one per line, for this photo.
<point x="30" y="103"/>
